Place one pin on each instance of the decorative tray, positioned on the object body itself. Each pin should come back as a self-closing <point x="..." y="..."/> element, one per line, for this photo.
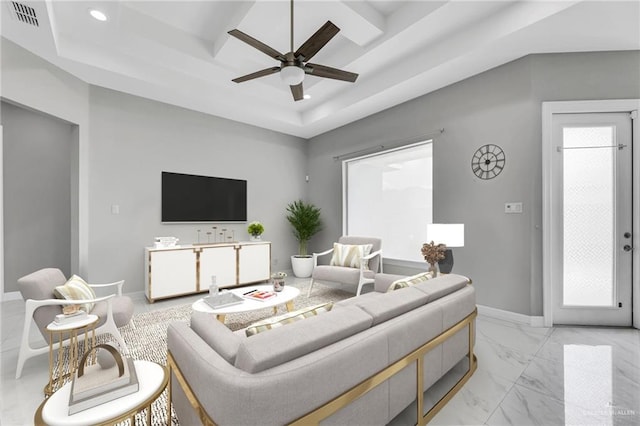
<point x="222" y="300"/>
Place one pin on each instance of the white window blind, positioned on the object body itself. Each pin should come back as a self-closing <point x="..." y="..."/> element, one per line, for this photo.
<point x="390" y="195"/>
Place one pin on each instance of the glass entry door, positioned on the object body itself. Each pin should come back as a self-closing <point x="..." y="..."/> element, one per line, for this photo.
<point x="593" y="208"/>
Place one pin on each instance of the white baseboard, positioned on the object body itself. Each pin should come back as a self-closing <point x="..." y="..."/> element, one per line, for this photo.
<point x="533" y="321"/>
<point x="12" y="295"/>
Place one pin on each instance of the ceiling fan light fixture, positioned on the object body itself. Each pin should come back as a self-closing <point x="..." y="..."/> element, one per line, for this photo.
<point x="292" y="75"/>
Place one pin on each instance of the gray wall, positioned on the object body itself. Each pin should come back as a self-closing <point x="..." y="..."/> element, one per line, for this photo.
<point x="502" y="253"/>
<point x="123" y="142"/>
<point x="133" y="140"/>
<point x="37" y="193"/>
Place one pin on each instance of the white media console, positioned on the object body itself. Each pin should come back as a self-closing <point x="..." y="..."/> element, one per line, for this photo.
<point x="187" y="269"/>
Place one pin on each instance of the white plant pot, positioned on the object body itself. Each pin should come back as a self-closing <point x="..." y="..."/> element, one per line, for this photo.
<point x="302" y="266"/>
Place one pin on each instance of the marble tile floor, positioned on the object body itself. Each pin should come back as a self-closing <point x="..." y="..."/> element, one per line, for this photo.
<point x="526" y="376"/>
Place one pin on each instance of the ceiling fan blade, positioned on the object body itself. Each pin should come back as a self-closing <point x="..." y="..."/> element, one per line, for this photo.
<point x="321" y="37"/>
<point x="257" y="74"/>
<point x="328" y="72"/>
<point x="298" y="92"/>
<point x="257" y="44"/>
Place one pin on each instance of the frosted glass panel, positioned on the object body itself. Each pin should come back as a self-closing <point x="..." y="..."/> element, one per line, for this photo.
<point x="389" y="195"/>
<point x="589" y="213"/>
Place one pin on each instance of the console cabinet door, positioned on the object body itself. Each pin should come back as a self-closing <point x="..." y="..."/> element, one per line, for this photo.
<point x="172" y="273"/>
<point x="254" y="263"/>
<point x="218" y="261"/>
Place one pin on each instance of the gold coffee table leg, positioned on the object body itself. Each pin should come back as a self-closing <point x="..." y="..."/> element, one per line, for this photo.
<point x="289" y="305"/>
<point x="221" y="317"/>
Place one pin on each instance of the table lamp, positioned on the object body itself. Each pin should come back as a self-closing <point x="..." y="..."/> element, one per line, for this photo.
<point x="449" y="234"/>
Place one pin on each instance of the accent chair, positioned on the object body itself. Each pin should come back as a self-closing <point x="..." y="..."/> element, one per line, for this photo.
<point x="346" y="268"/>
<point x="37" y="289"/>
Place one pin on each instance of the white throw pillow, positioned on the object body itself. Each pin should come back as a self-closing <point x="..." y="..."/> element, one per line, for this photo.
<point x="350" y="255"/>
<point x="409" y="281"/>
<point x="76" y="289"/>
<point x="288" y="318"/>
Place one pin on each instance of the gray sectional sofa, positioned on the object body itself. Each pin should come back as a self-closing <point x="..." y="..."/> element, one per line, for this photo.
<point x="360" y="363"/>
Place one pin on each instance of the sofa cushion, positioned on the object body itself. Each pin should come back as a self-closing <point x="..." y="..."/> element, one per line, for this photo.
<point x="76" y="289"/>
<point x="409" y="281"/>
<point x="283" y="344"/>
<point x="384" y="306"/>
<point x="442" y="285"/>
<point x="287" y="318"/>
<point x="350" y="255"/>
<point x="216" y="334"/>
<point x="341" y="274"/>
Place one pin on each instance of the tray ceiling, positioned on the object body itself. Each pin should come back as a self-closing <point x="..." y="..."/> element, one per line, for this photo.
<point x="179" y="52"/>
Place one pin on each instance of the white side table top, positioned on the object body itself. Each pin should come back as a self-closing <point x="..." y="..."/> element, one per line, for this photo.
<point x="151" y="377"/>
<point x="89" y="319"/>
<point x="287" y="294"/>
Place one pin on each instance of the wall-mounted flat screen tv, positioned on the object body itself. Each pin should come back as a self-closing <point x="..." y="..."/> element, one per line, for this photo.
<point x="191" y="198"/>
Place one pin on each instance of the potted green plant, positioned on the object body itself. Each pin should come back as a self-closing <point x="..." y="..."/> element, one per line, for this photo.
<point x="305" y="220"/>
<point x="255" y="229"/>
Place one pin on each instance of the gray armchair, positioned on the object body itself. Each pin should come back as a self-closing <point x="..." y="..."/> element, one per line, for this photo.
<point x="348" y="275"/>
<point x="37" y="288"/>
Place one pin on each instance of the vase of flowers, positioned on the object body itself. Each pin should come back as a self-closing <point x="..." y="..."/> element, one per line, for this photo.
<point x="433" y="253"/>
<point x="278" y="281"/>
<point x="255" y="230"/>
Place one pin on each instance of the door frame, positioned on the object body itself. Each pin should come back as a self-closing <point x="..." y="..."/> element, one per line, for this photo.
<point x="549" y="257"/>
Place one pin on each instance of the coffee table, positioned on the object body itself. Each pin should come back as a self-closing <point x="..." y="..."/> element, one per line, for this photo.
<point x="285" y="297"/>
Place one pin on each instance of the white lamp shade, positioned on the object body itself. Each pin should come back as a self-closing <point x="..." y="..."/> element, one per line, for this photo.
<point x="449" y="234"/>
<point x="292" y="75"/>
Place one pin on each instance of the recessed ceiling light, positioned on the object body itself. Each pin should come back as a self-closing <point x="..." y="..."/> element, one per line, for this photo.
<point x="307" y="96"/>
<point x="100" y="16"/>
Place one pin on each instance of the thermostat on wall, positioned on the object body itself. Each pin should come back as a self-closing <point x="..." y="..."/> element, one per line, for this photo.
<point x="513" y="207"/>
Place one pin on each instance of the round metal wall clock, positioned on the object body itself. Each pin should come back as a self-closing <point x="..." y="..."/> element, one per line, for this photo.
<point x="488" y="161"/>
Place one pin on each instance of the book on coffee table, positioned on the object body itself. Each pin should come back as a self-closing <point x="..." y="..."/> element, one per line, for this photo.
<point x="260" y="295"/>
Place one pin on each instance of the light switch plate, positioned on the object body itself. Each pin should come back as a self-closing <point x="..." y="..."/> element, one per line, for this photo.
<point x="513" y="207"/>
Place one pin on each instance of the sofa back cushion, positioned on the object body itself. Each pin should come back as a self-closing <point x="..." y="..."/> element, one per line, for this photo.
<point x="384" y="306"/>
<point x="442" y="285"/>
<point x="217" y="335"/>
<point x="266" y="350"/>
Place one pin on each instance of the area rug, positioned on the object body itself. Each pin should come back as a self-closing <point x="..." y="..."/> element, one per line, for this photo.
<point x="146" y="334"/>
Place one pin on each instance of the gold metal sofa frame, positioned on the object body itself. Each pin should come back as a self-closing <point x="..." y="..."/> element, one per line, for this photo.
<point x="331" y="407"/>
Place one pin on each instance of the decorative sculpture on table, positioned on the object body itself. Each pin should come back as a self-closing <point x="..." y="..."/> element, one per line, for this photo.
<point x="433" y="253"/>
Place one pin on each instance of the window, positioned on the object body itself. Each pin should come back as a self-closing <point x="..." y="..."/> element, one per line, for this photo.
<point x="390" y="195"/>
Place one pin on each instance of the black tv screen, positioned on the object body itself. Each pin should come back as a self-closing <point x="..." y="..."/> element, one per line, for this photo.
<point x="191" y="198"/>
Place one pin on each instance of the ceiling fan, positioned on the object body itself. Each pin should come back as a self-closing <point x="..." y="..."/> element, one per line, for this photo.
<point x="294" y="65"/>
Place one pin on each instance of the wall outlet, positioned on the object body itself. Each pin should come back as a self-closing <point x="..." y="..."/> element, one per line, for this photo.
<point x="513" y="207"/>
<point x="115" y="209"/>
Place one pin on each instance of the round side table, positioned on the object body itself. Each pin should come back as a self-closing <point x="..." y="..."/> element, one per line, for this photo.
<point x="57" y="374"/>
<point x="152" y="379"/>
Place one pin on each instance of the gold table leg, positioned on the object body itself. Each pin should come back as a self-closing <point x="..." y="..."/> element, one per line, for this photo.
<point x="221" y="317"/>
<point x="289" y="305"/>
